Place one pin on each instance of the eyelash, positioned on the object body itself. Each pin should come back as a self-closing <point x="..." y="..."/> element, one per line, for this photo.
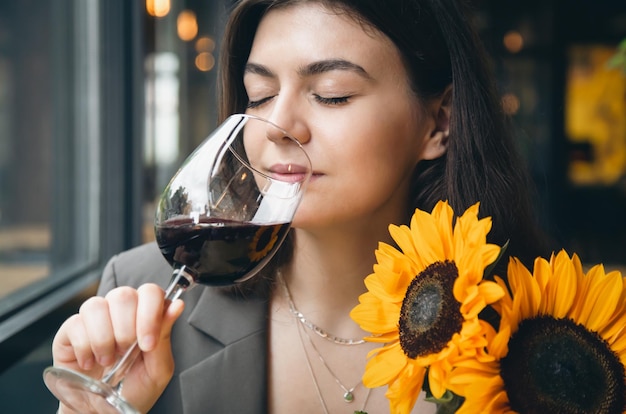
<point x="332" y="101"/>
<point x="325" y="101"/>
<point x="254" y="104"/>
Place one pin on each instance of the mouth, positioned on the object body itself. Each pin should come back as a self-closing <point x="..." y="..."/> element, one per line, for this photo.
<point x="289" y="172"/>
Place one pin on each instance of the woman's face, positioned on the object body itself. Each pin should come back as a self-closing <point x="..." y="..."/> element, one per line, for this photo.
<point x="342" y="90"/>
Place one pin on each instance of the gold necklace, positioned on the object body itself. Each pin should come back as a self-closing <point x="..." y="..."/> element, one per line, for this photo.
<point x="348" y="396"/>
<point x="319" y="331"/>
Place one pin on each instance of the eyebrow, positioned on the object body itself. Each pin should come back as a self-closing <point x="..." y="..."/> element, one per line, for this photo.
<point x="312" y="69"/>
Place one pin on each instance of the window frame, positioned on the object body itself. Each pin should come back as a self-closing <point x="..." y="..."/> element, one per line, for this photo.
<point x="112" y="89"/>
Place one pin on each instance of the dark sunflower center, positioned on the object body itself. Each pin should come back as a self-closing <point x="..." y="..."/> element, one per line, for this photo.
<point x="430" y="314"/>
<point x="558" y="366"/>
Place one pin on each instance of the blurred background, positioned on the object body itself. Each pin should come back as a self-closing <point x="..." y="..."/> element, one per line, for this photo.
<point x="100" y="100"/>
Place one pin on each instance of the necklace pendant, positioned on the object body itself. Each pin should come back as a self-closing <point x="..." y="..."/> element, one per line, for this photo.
<point x="348" y="397"/>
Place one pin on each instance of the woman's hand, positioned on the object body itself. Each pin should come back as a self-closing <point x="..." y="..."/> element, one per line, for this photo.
<point x="105" y="327"/>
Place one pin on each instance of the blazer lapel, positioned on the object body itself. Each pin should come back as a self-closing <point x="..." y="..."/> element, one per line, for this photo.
<point x="233" y="379"/>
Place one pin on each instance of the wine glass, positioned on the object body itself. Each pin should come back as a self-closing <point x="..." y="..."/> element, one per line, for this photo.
<point x="218" y="222"/>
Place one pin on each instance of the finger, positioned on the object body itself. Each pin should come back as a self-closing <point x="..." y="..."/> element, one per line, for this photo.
<point x="160" y="362"/>
<point x="96" y="321"/>
<point x="123" y="310"/>
<point x="150" y="308"/>
<point x="158" y="365"/>
<point x="171" y="315"/>
<point x="71" y="344"/>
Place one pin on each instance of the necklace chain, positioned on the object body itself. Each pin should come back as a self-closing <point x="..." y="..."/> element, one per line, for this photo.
<point x="310" y="367"/>
<point x="348" y="395"/>
<point x="314" y="378"/>
<point x="319" y="331"/>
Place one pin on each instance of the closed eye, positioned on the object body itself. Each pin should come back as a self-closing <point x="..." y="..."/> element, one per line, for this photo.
<point x="332" y="101"/>
<point x="254" y="104"/>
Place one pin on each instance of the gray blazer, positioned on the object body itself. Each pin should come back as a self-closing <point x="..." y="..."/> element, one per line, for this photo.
<point x="219" y="343"/>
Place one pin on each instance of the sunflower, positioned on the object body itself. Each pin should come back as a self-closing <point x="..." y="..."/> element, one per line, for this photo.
<point x="561" y="346"/>
<point x="263" y="242"/>
<point x="423" y="302"/>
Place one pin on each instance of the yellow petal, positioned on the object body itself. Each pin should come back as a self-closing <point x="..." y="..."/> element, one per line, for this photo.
<point x="562" y="289"/>
<point x="404" y="239"/>
<point x="542" y="271"/>
<point x="618" y="321"/>
<point x="444" y="215"/>
<point x="601" y="300"/>
<point x="437" y="381"/>
<point x="426" y="238"/>
<point x="387" y="285"/>
<point x="619" y="346"/>
<point x="491" y="291"/>
<point x="403" y="392"/>
<point x="525" y="288"/>
<point x="385" y="338"/>
<point x="374" y="315"/>
<point x="384" y="366"/>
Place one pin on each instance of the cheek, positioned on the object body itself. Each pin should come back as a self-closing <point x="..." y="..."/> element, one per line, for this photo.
<point x="394" y="134"/>
<point x="362" y="182"/>
<point x="384" y="159"/>
<point x="380" y="175"/>
<point x="387" y="149"/>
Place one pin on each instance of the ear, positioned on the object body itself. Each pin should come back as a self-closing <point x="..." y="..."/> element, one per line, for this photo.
<point x="437" y="141"/>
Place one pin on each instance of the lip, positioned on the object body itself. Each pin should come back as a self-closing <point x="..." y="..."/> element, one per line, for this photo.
<point x="289" y="172"/>
<point x="288" y="169"/>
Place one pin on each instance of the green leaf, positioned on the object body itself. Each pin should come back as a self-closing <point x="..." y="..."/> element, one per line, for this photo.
<point x="447" y="404"/>
<point x="618" y="60"/>
<point x="450" y="407"/>
<point x="445" y="398"/>
<point x="489" y="269"/>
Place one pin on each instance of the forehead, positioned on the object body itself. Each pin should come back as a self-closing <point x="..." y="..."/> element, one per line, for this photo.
<point x="313" y="31"/>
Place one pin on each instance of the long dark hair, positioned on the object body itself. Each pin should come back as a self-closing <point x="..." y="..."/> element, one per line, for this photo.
<point x="439" y="48"/>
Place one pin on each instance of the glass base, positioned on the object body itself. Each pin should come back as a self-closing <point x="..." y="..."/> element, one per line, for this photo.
<point x="84" y="394"/>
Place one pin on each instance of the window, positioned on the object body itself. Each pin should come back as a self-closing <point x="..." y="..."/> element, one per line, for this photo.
<point x="49" y="163"/>
<point x="99" y="103"/>
<point x="71" y="109"/>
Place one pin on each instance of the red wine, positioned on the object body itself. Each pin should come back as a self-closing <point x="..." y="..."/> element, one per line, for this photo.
<point x="219" y="252"/>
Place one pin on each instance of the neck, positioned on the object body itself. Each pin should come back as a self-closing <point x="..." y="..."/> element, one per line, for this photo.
<point x="326" y="276"/>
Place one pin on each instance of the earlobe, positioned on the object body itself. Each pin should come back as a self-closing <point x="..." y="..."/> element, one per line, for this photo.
<point x="436" y="145"/>
<point x="437" y="142"/>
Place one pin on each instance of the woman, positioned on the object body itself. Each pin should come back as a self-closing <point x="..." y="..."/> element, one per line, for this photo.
<point x="393" y="103"/>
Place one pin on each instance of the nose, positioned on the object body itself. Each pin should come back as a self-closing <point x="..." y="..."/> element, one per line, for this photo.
<point x="279" y="134"/>
<point x="286" y="115"/>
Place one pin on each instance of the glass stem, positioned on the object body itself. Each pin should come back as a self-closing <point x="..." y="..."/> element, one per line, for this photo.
<point x="181" y="281"/>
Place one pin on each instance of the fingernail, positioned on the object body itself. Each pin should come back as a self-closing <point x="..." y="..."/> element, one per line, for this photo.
<point x="147" y="342"/>
<point x="106" y="360"/>
<point x="88" y="364"/>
